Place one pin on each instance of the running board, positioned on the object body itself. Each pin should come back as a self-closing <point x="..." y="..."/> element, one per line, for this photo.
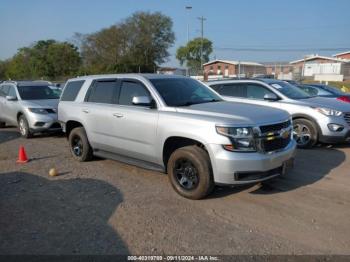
<point x="129" y="160"/>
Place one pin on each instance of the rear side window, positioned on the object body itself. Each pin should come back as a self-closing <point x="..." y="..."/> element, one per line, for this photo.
<point x="234" y="90"/>
<point x="129" y="90"/>
<point x="71" y="90"/>
<point x="102" y="92"/>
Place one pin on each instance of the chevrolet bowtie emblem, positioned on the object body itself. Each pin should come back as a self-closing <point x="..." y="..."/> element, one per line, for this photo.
<point x="284" y="134"/>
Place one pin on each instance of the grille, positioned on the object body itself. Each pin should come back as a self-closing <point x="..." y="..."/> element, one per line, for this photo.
<point x="275" y="127"/>
<point x="50" y="111"/>
<point x="248" y="176"/>
<point x="271" y="137"/>
<point x="347" y="118"/>
<point x="274" y="145"/>
<point x="55" y="125"/>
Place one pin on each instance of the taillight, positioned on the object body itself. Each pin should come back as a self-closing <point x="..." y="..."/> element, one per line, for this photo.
<point x="344" y="99"/>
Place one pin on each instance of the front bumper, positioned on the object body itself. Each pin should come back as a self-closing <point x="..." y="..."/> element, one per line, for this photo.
<point x="43" y="123"/>
<point x="228" y="167"/>
<point x="328" y="136"/>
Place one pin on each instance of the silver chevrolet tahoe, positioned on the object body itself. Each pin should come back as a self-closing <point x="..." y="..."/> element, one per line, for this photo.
<point x="175" y="125"/>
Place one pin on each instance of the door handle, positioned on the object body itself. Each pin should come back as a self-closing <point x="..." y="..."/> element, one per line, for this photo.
<point x="86" y="111"/>
<point x="117" y="115"/>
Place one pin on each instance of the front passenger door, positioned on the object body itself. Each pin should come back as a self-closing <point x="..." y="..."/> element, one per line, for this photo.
<point x="135" y="126"/>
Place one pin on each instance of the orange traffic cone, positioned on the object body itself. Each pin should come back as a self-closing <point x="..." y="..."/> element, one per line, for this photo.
<point x="22" y="156"/>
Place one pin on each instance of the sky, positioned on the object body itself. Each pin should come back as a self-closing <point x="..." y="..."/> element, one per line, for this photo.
<point x="310" y="25"/>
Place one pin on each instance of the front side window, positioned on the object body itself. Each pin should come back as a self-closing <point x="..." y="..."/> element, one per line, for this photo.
<point x="4" y="91"/>
<point x="255" y="91"/>
<point x="184" y="91"/>
<point x="12" y="92"/>
<point x="36" y="93"/>
<point x="102" y="92"/>
<point x="129" y="90"/>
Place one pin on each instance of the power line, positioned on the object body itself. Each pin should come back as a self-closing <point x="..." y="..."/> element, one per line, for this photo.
<point x="324" y="49"/>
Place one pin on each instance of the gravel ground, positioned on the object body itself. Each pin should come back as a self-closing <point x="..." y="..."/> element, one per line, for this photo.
<point x="106" y="207"/>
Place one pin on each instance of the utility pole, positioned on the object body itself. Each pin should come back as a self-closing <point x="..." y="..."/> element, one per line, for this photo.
<point x="188" y="8"/>
<point x="202" y="19"/>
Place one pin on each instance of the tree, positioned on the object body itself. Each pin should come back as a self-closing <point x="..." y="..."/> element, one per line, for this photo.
<point x="140" y="42"/>
<point x="191" y="53"/>
<point x="45" y="59"/>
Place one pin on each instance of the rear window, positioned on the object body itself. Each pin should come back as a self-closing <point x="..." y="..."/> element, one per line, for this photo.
<point x="71" y="90"/>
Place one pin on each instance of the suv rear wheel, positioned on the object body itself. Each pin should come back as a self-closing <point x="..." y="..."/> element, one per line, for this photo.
<point x="305" y="133"/>
<point x="24" y="127"/>
<point x="190" y="172"/>
<point x="79" y="145"/>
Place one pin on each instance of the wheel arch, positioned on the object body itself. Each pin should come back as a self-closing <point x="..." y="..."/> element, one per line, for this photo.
<point x="70" y="125"/>
<point x="173" y="143"/>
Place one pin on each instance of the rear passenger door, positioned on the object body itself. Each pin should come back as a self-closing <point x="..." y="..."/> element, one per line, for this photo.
<point x="135" y="126"/>
<point x="97" y="111"/>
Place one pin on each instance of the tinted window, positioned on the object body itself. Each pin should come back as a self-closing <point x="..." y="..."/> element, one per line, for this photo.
<point x="184" y="91"/>
<point x="4" y="90"/>
<point x="36" y="93"/>
<point x="12" y="92"/>
<point x="71" y="90"/>
<point x="102" y="92"/>
<point x="129" y="90"/>
<point x="235" y="90"/>
<point x="257" y="91"/>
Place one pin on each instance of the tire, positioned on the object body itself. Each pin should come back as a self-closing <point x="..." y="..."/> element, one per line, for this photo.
<point x="79" y="145"/>
<point x="2" y="124"/>
<point x="195" y="167"/>
<point x="24" y="127"/>
<point x="305" y="128"/>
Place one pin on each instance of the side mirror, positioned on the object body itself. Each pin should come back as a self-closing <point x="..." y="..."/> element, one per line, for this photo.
<point x="141" y="101"/>
<point x="11" y="98"/>
<point x="270" y="97"/>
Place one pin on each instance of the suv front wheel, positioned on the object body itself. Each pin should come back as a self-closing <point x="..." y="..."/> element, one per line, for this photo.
<point x="190" y="172"/>
<point x="79" y="145"/>
<point x="305" y="133"/>
<point x="24" y="127"/>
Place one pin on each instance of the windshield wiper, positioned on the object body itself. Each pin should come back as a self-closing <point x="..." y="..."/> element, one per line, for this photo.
<point x="190" y="103"/>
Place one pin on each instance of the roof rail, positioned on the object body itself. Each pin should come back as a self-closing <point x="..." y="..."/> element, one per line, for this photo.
<point x="10" y="81"/>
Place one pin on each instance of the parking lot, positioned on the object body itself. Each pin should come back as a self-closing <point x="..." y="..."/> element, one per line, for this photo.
<point x="106" y="207"/>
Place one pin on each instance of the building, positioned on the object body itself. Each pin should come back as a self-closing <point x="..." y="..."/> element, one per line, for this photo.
<point x="344" y="55"/>
<point x="321" y="68"/>
<point x="279" y="70"/>
<point x="171" y="71"/>
<point x="226" y="68"/>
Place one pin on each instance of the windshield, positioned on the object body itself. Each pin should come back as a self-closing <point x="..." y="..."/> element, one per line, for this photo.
<point x="37" y="93"/>
<point x="289" y="90"/>
<point x="329" y="89"/>
<point x="184" y="91"/>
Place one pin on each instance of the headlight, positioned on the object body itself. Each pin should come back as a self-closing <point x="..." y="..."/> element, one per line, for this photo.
<point x="242" y="138"/>
<point x="42" y="111"/>
<point x="328" y="111"/>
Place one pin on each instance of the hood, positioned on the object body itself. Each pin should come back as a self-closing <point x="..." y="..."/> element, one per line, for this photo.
<point x="237" y="113"/>
<point x="327" y="102"/>
<point x="45" y="103"/>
